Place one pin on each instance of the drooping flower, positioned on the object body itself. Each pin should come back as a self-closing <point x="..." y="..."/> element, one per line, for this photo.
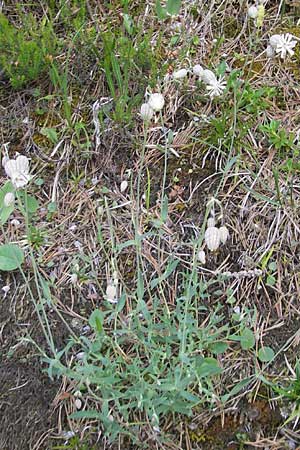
<point x="146" y="112"/>
<point x="156" y="101"/>
<point x="180" y="74"/>
<point x="18" y="171"/>
<point x="198" y="70"/>
<point x="212" y="238"/>
<point x="275" y="39"/>
<point x="283" y="44"/>
<point x="224" y="234"/>
<point x="208" y="77"/>
<point x="9" y="199"/>
<point x="252" y="12"/>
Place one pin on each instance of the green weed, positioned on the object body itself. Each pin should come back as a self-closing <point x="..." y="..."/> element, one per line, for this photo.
<point x="26" y="53"/>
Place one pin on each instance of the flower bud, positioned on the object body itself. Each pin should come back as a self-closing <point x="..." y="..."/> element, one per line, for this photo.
<point x="252" y="12"/>
<point x="208" y="77"/>
<point x="212" y="238"/>
<point x="124" y="186"/>
<point x="9" y="199"/>
<point x="270" y="52"/>
<point x="156" y="101"/>
<point x="275" y="40"/>
<point x="224" y="234"/>
<point x="211" y="222"/>
<point x="198" y="70"/>
<point x="179" y="74"/>
<point x="201" y="256"/>
<point x="146" y="112"/>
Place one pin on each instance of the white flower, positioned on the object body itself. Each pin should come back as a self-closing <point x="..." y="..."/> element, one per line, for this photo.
<point x="146" y="112"/>
<point x="224" y="234"/>
<point x="156" y="101"/>
<point x="15" y="223"/>
<point x="212" y="238"/>
<point x="73" y="278"/>
<point x="202" y="256"/>
<point x="111" y="293"/>
<point x="275" y="40"/>
<point x="286" y="45"/>
<point x="270" y="51"/>
<point x="179" y="74"/>
<point x="216" y="87"/>
<point x="208" y="76"/>
<point x="18" y="171"/>
<point x="124" y="186"/>
<point x="252" y="12"/>
<point x="198" y="70"/>
<point x="9" y="199"/>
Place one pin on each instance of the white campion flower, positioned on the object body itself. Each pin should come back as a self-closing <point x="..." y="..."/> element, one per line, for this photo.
<point x="156" y="101"/>
<point x="18" y="171"/>
<point x="146" y="112"/>
<point x="208" y="77"/>
<point x="283" y="44"/>
<point x="224" y="234"/>
<point x="180" y="74"/>
<point x="252" y="12"/>
<point x="9" y="199"/>
<point x="198" y="70"/>
<point x="212" y="238"/>
<point x="216" y="87"/>
<point x="275" y="39"/>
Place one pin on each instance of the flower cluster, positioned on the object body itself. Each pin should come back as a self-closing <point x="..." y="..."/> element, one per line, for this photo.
<point x="282" y="44"/>
<point x="214" y="86"/>
<point x="155" y="103"/>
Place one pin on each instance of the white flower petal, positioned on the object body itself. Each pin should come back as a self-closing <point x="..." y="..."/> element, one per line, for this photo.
<point x="10" y="167"/>
<point x="198" y="70"/>
<point x="22" y="163"/>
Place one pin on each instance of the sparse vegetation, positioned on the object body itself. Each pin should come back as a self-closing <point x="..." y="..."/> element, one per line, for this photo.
<point x="149" y="209"/>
